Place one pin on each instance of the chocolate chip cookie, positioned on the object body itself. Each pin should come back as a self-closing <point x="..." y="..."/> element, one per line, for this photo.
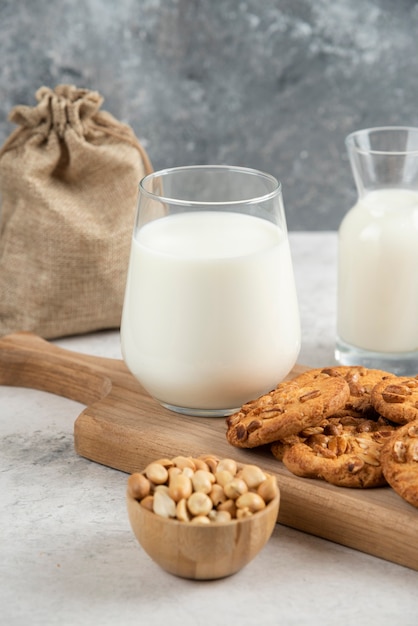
<point x="397" y="399"/>
<point x="286" y="410"/>
<point x="344" y="451"/>
<point x="361" y="381"/>
<point x="399" y="458"/>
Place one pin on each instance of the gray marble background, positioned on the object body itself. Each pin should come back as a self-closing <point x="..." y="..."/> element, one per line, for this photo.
<point x="271" y="84"/>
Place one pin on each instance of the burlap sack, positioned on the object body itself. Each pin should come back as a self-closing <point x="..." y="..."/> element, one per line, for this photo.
<point x="68" y="186"/>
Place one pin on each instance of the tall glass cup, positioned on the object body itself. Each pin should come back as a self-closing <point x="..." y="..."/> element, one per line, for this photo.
<point x="377" y="322"/>
<point x="210" y="317"/>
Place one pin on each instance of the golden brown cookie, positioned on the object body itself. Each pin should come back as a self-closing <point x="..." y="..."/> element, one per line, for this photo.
<point x="397" y="399"/>
<point x="286" y="410"/>
<point x="344" y="451"/>
<point x="361" y="381"/>
<point x="399" y="459"/>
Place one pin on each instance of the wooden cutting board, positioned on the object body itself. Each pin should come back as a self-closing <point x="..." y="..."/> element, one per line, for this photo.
<point x="124" y="428"/>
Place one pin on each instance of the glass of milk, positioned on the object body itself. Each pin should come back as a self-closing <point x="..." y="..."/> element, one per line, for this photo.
<point x="210" y="318"/>
<point x="377" y="321"/>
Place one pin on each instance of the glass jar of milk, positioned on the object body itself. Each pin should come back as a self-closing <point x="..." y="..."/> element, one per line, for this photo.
<point x="210" y="318"/>
<point x="377" y="321"/>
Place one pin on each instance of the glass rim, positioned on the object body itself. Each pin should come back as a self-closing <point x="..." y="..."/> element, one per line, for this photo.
<point x="276" y="191"/>
<point x="350" y="140"/>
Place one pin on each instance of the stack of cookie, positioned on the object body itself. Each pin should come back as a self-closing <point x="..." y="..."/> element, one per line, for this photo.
<point x="349" y="425"/>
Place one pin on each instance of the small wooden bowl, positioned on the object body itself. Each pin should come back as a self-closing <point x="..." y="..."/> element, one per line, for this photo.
<point x="202" y="552"/>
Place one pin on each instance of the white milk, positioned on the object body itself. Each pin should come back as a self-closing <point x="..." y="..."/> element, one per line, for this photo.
<point x="378" y="272"/>
<point x="210" y="318"/>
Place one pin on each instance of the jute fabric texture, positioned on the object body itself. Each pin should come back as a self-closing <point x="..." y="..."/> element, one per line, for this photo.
<point x="69" y="179"/>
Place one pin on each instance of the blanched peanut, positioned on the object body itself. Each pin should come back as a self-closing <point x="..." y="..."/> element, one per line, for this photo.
<point x="164" y="505"/>
<point x="138" y="486"/>
<point x="187" y="471"/>
<point x="253" y="475"/>
<point x="165" y="462"/>
<point x="230" y="506"/>
<point x="245" y="512"/>
<point x="200" y="519"/>
<point x="180" y="486"/>
<point x="217" y="495"/>
<point x="161" y="489"/>
<point x="182" y="513"/>
<point x="212" y="463"/>
<point x="156" y="473"/>
<point x="201" y="464"/>
<point x="220" y="517"/>
<point x="268" y="489"/>
<point x="236" y="487"/>
<point x="148" y="503"/>
<point x="173" y="471"/>
<point x="252" y="501"/>
<point x="223" y="477"/>
<point x="184" y="461"/>
<point x="199" y="503"/>
<point x="227" y="464"/>
<point x="203" y="481"/>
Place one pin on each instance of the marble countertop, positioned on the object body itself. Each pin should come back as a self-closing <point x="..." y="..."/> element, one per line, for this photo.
<point x="68" y="555"/>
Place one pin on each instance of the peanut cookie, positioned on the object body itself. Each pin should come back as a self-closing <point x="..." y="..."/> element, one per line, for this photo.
<point x="399" y="459"/>
<point x="361" y="381"/>
<point x="344" y="451"/>
<point x="397" y="399"/>
<point x="286" y="410"/>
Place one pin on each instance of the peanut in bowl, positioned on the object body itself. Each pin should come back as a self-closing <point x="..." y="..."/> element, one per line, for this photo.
<point x="202" y="518"/>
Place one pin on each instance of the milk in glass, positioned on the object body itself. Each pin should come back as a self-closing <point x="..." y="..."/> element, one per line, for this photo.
<point x="210" y="320"/>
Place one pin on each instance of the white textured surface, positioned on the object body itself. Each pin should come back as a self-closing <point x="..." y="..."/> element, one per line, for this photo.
<point x="68" y="555"/>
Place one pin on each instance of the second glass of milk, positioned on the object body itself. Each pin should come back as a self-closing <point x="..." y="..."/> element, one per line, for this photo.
<point x="210" y="318"/>
<point x="377" y="323"/>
